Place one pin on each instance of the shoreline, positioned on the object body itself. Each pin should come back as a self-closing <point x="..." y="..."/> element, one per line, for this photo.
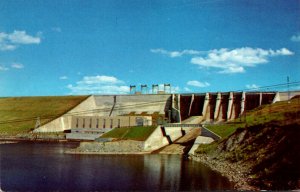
<point x="107" y="153"/>
<point x="16" y="139"/>
<point x="236" y="173"/>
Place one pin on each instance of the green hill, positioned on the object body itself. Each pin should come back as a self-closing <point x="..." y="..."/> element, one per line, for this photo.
<point x="262" y="147"/>
<point x="19" y="114"/>
<point x="283" y="111"/>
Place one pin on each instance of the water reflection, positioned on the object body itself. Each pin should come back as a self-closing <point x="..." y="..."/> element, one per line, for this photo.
<point x="43" y="167"/>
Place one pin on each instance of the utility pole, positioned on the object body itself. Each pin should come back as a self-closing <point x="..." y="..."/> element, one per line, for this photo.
<point x="288" y="87"/>
<point x="38" y="123"/>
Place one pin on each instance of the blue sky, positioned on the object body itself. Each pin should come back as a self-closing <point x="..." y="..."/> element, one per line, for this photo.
<point x="103" y="47"/>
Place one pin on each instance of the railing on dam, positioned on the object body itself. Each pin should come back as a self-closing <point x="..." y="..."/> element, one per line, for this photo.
<point x="181" y="125"/>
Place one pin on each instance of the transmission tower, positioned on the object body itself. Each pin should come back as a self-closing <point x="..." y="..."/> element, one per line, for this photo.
<point x="37" y="123"/>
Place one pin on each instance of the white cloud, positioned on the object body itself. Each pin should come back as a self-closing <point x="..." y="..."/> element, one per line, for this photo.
<point x="20" y="37"/>
<point x="236" y="60"/>
<point x="99" y="84"/>
<point x="296" y="38"/>
<point x="3" y="68"/>
<point x="63" y="77"/>
<point x="9" y="42"/>
<point x="233" y="69"/>
<point x="176" y="53"/>
<point x="228" y="60"/>
<point x="102" y="79"/>
<point x="252" y="86"/>
<point x="198" y="83"/>
<point x="17" y="65"/>
<point x="5" y="47"/>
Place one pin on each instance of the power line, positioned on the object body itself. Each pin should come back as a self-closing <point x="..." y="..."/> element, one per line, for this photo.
<point x="284" y="85"/>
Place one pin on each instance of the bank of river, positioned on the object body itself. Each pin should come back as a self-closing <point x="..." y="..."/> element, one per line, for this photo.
<point x="30" y="166"/>
<point x="235" y="172"/>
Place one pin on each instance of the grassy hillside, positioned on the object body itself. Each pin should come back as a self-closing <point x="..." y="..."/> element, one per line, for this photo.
<point x="265" y="144"/>
<point x="283" y="112"/>
<point x="134" y="133"/>
<point x="19" y="114"/>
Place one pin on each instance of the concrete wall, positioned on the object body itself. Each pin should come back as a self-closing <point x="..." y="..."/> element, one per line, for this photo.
<point x="109" y="122"/>
<point x="174" y="133"/>
<point x="176" y="117"/>
<point x="101" y="105"/>
<point x="57" y="125"/>
<point x="157" y="140"/>
<point x="284" y="96"/>
<point x="199" y="141"/>
<point x="132" y="103"/>
<point x="85" y="108"/>
<point x="64" y="122"/>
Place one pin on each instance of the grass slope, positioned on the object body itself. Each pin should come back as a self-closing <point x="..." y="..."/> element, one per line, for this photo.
<point x="19" y="114"/>
<point x="267" y="144"/>
<point x="133" y="133"/>
<point x="283" y="111"/>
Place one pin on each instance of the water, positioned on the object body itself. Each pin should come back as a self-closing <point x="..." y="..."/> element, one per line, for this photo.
<point x="45" y="167"/>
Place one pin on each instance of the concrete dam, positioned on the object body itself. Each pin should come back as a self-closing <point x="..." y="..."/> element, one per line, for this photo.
<point x="220" y="106"/>
<point x="174" y="108"/>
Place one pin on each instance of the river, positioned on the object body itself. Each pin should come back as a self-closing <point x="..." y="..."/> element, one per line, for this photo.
<point x="28" y="166"/>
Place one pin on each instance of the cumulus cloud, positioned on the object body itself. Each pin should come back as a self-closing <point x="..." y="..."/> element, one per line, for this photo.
<point x="176" y="53"/>
<point x="10" y="41"/>
<point x="236" y="60"/>
<point x="99" y="84"/>
<point x="20" y="37"/>
<point x="198" y="83"/>
<point x="228" y="60"/>
<point x="17" y="65"/>
<point x="3" y="68"/>
<point x="233" y="69"/>
<point x="296" y="38"/>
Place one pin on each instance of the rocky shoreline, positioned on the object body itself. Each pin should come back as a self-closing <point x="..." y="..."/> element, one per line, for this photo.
<point x="110" y="147"/>
<point x="47" y="137"/>
<point x="236" y="173"/>
<point x="76" y="152"/>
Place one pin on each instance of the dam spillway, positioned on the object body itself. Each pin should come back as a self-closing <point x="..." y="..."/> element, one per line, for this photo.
<point x="221" y="106"/>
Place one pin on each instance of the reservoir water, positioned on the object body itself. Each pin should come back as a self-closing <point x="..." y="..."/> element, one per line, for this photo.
<point x="28" y="166"/>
